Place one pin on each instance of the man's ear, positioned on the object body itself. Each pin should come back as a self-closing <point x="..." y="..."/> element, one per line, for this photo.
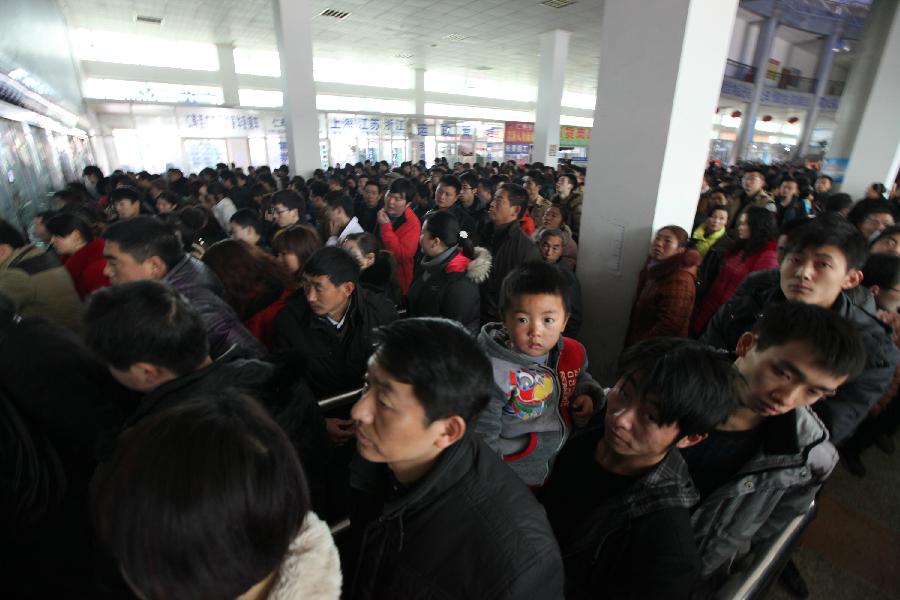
<point x="691" y="440"/>
<point x="155" y="267"/>
<point x="347" y="287"/>
<point x="454" y="428"/>
<point x="876" y="290"/>
<point x="853" y="278"/>
<point x="149" y="374"/>
<point x="745" y="344"/>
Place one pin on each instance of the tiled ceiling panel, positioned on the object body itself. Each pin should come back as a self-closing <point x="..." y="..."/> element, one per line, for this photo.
<point x="500" y="34"/>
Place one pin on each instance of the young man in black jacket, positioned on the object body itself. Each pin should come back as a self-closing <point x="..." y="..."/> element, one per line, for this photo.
<point x="437" y="514"/>
<point x="619" y="496"/>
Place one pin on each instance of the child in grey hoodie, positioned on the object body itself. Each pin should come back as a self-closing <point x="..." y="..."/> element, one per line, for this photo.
<point x="542" y="386"/>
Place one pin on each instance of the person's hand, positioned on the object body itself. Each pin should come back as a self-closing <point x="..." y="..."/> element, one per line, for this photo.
<point x="383" y="217"/>
<point x="339" y="430"/>
<point x="582" y="410"/>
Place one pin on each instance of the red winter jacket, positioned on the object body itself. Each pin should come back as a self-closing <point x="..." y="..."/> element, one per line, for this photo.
<point x="731" y="275"/>
<point x="86" y="268"/>
<point x="262" y="323"/>
<point x="403" y="242"/>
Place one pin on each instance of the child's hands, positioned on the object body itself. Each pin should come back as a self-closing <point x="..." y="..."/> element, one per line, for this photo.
<point x="582" y="409"/>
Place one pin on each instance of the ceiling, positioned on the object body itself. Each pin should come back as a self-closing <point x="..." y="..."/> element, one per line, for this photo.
<point x="501" y="36"/>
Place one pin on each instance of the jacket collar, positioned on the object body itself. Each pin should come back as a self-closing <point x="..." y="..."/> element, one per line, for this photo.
<point x="686" y="260"/>
<point x="787" y="441"/>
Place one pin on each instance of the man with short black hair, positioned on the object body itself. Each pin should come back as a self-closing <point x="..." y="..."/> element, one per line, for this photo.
<point x="437" y="514"/>
<point x="752" y="193"/>
<point x="552" y="245"/>
<point x="340" y="218"/>
<point x="446" y="197"/>
<point x="509" y="245"/>
<point x="246" y="226"/>
<point x="399" y="229"/>
<point x="146" y="248"/>
<point x="288" y="207"/>
<point x="822" y="260"/>
<point x="366" y="211"/>
<point x="568" y="194"/>
<point x="127" y="202"/>
<point x="764" y="464"/>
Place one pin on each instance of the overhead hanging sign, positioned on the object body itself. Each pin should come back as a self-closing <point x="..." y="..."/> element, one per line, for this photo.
<point x="574" y="136"/>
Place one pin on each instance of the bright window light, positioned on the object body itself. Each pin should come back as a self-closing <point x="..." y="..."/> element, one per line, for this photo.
<point x="585" y="101"/>
<point x="261" y="98"/>
<point x="767" y="126"/>
<point x="731" y="122"/>
<point x="357" y="104"/>
<point x="791" y="129"/>
<point x="145" y="91"/>
<point x="130" y="49"/>
<point x="477" y="112"/>
<point x="257" y="62"/>
<point x="331" y="70"/>
<point x="576" y="121"/>
<point x="445" y="83"/>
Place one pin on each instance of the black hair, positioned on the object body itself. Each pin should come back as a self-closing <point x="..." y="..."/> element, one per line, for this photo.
<point x="200" y="500"/>
<point x="571" y="177"/>
<point x="247" y="217"/>
<point x="93" y="170"/>
<point x="878" y="188"/>
<point x="823" y="176"/>
<point x="373" y="181"/>
<point x="830" y="229"/>
<point x="336" y="263"/>
<point x="763" y="229"/>
<point x="714" y="207"/>
<point x="125" y="193"/>
<point x="545" y="233"/>
<point x="145" y="321"/>
<point x="367" y="242"/>
<point x="290" y="199"/>
<point x="404" y="187"/>
<point x="872" y="207"/>
<point x="882" y="270"/>
<point x="216" y="190"/>
<point x="831" y="340"/>
<point x="470" y="178"/>
<point x="517" y="196"/>
<point x="144" y="237"/>
<point x="65" y="223"/>
<point x="837" y="202"/>
<point x="448" y="371"/>
<point x="170" y="198"/>
<point x="451" y="181"/>
<point x="11" y="236"/>
<point x="444" y="226"/>
<point x="534" y="277"/>
<point x="892" y="230"/>
<point x="338" y="199"/>
<point x="536" y="175"/>
<point x="318" y="188"/>
<point x="692" y="385"/>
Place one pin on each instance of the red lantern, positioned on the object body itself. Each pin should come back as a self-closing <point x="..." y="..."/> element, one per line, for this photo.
<point x="766" y="118"/>
<point x="736" y="114"/>
<point x="793" y="120"/>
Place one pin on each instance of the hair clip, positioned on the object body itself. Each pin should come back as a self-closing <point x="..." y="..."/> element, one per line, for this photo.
<point x="464" y="235"/>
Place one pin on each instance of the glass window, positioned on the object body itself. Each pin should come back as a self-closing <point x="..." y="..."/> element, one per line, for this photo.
<point x="258" y="151"/>
<point x="261" y="98"/>
<point x="202" y="153"/>
<point x="130" y="49"/>
<point x="446" y="83"/>
<point x="333" y="70"/>
<point x="145" y="91"/>
<point x="477" y="112"/>
<point x="257" y="62"/>
<point x="354" y="103"/>
<point x="128" y="148"/>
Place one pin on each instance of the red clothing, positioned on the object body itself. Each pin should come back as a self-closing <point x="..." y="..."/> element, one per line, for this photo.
<point x="664" y="299"/>
<point x="527" y="224"/>
<point x="262" y="324"/>
<point x="86" y="268"/>
<point x="730" y="277"/>
<point x="403" y="243"/>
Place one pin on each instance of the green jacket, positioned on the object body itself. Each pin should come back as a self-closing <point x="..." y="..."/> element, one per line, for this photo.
<point x="41" y="287"/>
<point x="775" y="486"/>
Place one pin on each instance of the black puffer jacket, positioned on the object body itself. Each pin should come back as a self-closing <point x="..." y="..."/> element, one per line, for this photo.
<point x="336" y="360"/>
<point x="843" y="412"/>
<point x="468" y="529"/>
<point x="510" y="247"/>
<point x="448" y="287"/>
<point x="202" y="288"/>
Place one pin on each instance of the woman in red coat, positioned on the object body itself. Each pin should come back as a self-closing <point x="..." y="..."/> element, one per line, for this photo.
<point x="755" y="250"/>
<point x="80" y="252"/>
<point x="256" y="286"/>
<point x="666" y="289"/>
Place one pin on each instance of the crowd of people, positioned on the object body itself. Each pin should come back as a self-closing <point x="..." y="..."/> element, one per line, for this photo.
<point x="165" y="342"/>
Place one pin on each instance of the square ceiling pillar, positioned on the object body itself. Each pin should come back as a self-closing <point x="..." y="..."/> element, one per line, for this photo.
<point x="551" y="78"/>
<point x="656" y="96"/>
<point x="293" y="32"/>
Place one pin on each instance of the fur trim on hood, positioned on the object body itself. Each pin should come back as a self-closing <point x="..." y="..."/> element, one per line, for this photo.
<point x="311" y="568"/>
<point x="480" y="267"/>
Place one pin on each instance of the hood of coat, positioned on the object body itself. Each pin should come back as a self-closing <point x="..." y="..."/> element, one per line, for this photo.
<point x="688" y="260"/>
<point x="312" y="568"/>
<point x="494" y="339"/>
<point x="479" y="268"/>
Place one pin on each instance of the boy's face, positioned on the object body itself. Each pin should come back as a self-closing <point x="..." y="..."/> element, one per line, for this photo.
<point x="391" y="426"/>
<point x="889" y="244"/>
<point x="632" y="425"/>
<point x="535" y="322"/>
<point x="816" y="275"/>
<point x="782" y="378"/>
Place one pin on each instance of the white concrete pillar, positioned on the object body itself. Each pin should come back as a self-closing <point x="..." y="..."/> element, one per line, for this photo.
<point x="227" y="74"/>
<point x="761" y="64"/>
<point x="823" y="72"/>
<point x="293" y="32"/>
<point x="419" y="92"/>
<point x="551" y="78"/>
<point x="661" y="89"/>
<point x="867" y="137"/>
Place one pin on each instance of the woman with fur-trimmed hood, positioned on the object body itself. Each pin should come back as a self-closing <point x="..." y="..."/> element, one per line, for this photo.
<point x="446" y="278"/>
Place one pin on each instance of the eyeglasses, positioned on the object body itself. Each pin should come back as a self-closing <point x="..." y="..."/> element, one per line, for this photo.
<point x="881" y="223"/>
<point x="280" y="211"/>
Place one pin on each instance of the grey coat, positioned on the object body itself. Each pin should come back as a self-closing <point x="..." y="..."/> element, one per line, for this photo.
<point x="775" y="486"/>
